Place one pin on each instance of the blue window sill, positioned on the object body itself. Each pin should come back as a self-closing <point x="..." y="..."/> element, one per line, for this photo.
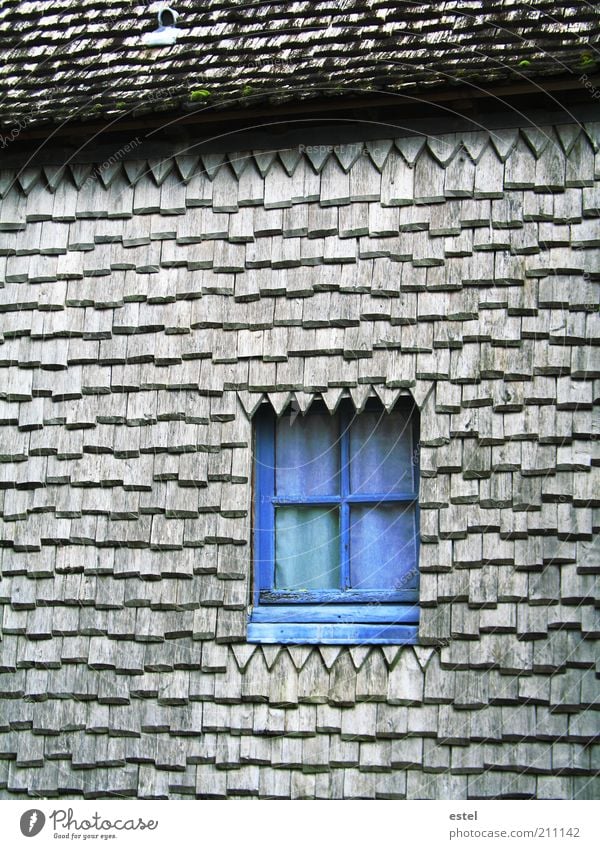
<point x="340" y="624"/>
<point x="332" y="634"/>
<point x="333" y="614"/>
<point x="361" y="601"/>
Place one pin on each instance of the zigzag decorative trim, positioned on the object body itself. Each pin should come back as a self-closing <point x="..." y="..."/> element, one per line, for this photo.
<point x="251" y="401"/>
<point x="244" y="653"/>
<point x="444" y="149"/>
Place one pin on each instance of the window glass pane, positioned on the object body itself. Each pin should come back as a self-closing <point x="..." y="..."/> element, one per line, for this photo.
<point x="381" y="453"/>
<point x="307" y="455"/>
<point x="307" y="548"/>
<point x="383" y="552"/>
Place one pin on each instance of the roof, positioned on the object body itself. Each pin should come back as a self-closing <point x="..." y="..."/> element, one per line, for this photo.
<point x="65" y="60"/>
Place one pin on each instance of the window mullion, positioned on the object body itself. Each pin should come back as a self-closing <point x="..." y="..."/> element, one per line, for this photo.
<point x="344" y="505"/>
<point x="265" y="513"/>
<point x="382" y="498"/>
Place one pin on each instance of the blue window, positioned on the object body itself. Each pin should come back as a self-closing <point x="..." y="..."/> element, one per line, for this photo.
<point x="336" y="526"/>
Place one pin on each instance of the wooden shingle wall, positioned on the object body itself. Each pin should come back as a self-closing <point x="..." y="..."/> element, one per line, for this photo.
<point x="147" y="310"/>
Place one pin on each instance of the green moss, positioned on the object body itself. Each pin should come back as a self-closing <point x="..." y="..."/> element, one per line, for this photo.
<point x="586" y="60"/>
<point x="524" y="63"/>
<point x="120" y="104"/>
<point x="199" y="94"/>
<point x="247" y="91"/>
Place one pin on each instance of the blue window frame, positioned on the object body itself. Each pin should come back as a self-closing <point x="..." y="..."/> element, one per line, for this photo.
<point x="336" y="526"/>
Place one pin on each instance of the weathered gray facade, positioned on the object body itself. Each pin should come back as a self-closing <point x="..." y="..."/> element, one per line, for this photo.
<point x="149" y="308"/>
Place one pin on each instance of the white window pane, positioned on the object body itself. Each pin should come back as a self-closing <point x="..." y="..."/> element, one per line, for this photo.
<point x="307" y="455"/>
<point x="307" y="548"/>
<point x="381" y="453"/>
<point x="383" y="547"/>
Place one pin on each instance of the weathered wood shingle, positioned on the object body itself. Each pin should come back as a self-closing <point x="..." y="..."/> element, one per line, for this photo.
<point x="142" y="329"/>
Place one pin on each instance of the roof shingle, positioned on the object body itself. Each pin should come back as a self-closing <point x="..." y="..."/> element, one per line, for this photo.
<point x="80" y="61"/>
